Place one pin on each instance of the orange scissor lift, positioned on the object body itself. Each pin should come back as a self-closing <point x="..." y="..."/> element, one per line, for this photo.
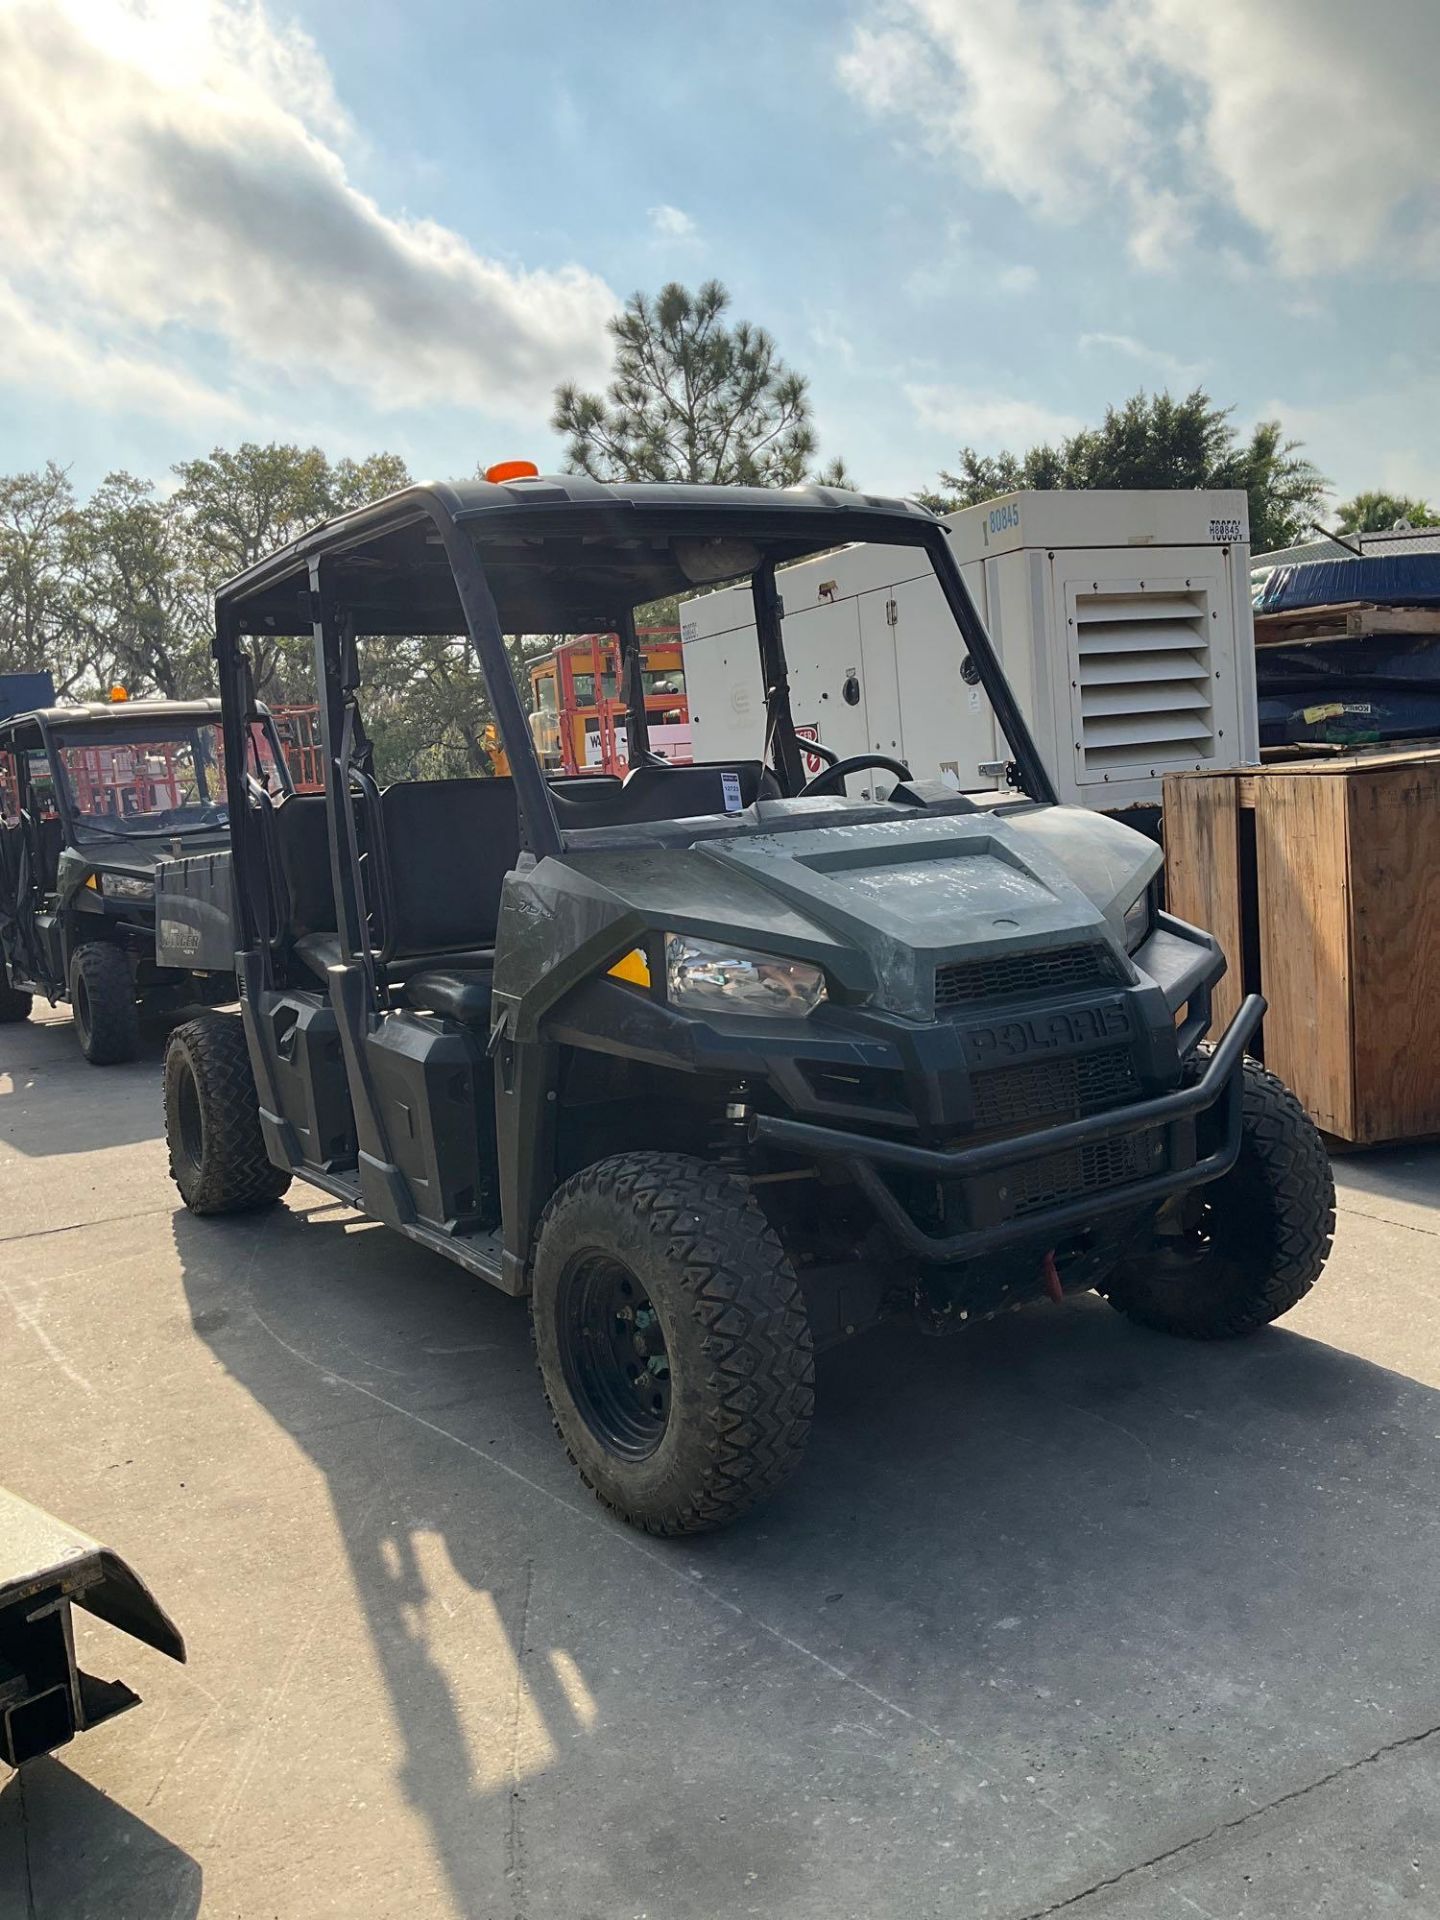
<point x="578" y="716"/>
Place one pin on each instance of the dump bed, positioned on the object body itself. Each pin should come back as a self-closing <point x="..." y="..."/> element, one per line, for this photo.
<point x="195" y="925"/>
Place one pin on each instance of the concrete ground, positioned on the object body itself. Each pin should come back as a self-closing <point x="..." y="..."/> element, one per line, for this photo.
<point x="1061" y="1617"/>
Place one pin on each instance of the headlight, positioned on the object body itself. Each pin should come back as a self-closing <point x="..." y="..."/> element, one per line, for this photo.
<point x="713" y="977"/>
<point x="126" y="886"/>
<point x="1138" y="917"/>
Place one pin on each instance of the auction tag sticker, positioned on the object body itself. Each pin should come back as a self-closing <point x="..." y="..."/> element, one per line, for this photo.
<point x="730" y="787"/>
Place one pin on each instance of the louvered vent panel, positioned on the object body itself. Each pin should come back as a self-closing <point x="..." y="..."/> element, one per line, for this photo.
<point x="1145" y="680"/>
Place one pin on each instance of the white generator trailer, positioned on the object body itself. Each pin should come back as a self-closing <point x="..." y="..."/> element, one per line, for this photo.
<point x="1122" y="620"/>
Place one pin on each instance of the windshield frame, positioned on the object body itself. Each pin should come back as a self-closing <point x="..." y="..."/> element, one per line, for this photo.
<point x="150" y="728"/>
<point x="784" y="747"/>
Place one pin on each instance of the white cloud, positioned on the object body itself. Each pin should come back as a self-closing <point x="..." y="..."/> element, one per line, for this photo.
<point x="1183" y="372"/>
<point x="179" y="163"/>
<point x="671" y="223"/>
<point x="1017" y="279"/>
<point x="1376" y="437"/>
<point x="1312" y="122"/>
<point x="44" y="353"/>
<point x="988" y="421"/>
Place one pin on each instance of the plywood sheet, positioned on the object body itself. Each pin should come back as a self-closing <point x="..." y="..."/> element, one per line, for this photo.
<point x="1202" y="872"/>
<point x="1393" y="830"/>
<point x="1302" y="894"/>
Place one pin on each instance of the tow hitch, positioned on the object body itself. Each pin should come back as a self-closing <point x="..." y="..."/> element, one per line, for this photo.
<point x="45" y="1568"/>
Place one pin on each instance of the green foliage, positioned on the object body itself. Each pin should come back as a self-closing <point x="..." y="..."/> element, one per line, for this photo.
<point x="120" y="588"/>
<point x="692" y="398"/>
<point x="1377" y="512"/>
<point x="1154" y="440"/>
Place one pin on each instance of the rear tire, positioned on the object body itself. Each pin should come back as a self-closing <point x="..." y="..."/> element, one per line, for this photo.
<point x="102" y="1003"/>
<point x="1231" y="1257"/>
<point x="672" y="1340"/>
<point x="14" y="1005"/>
<point x="212" y="1120"/>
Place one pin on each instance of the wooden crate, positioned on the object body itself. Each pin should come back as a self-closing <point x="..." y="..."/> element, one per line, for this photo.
<point x="1352" y="621"/>
<point x="1321" y="881"/>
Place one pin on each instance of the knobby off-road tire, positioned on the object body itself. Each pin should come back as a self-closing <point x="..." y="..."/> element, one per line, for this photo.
<point x="14" y="1005"/>
<point x="212" y="1120"/>
<point x="103" y="1005"/>
<point x="1254" y="1242"/>
<point x="670" y="1244"/>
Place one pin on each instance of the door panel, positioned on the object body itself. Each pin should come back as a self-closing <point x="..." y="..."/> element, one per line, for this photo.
<point x="885" y="732"/>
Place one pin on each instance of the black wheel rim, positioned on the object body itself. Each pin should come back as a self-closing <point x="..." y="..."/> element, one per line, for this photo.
<point x="189" y="1121"/>
<point x="613" y="1352"/>
<point x="1193" y="1241"/>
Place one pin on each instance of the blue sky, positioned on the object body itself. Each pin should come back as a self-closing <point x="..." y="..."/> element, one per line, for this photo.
<point x="398" y="225"/>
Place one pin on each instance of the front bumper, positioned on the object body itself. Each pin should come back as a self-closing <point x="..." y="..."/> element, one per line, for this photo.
<point x="981" y="1178"/>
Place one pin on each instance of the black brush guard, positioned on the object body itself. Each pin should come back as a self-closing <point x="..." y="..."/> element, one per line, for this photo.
<point x="977" y="1174"/>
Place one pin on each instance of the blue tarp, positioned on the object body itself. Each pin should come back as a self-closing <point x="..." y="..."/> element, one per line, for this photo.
<point x="19" y="692"/>
<point x="1349" y="691"/>
<point x="1391" y="580"/>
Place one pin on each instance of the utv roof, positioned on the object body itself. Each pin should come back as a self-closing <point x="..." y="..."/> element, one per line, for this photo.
<point x="561" y="552"/>
<point x="108" y="712"/>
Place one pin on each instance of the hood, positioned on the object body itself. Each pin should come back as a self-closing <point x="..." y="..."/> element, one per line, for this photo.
<point x="880" y="904"/>
<point x="112" y="853"/>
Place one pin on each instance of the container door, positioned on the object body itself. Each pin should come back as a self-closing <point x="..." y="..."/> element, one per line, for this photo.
<point x="880" y="676"/>
<point x="947" y="724"/>
<point x="824" y="657"/>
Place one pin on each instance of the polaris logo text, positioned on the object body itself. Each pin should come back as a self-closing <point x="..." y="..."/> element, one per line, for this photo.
<point x="1015" y="1038"/>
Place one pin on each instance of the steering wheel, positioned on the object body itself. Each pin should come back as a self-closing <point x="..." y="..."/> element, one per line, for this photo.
<point x="832" y="779"/>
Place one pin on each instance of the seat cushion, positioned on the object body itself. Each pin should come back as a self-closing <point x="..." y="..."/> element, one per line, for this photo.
<point x="457" y="995"/>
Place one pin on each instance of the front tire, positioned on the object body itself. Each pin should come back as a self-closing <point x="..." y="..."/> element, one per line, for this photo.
<point x="672" y="1340"/>
<point x="212" y="1120"/>
<point x="1232" y="1256"/>
<point x="102" y="1002"/>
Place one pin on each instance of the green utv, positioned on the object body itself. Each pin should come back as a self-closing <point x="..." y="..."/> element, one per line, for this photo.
<point x="717" y="1063"/>
<point x="91" y="797"/>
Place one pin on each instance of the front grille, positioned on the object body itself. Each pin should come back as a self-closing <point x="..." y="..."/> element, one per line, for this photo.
<point x="1024" y="976"/>
<point x="1092" y="1169"/>
<point x="1042" y="1092"/>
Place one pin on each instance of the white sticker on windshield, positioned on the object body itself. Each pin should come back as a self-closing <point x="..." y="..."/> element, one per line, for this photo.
<point x="730" y="787"/>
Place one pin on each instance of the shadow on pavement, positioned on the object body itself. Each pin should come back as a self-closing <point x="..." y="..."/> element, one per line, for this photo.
<point x="118" y="1105"/>
<point x="78" y="1855"/>
<point x="1134" y="1584"/>
<point x="1410" y="1172"/>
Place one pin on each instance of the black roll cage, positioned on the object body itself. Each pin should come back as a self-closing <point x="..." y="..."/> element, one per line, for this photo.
<point x="270" y="599"/>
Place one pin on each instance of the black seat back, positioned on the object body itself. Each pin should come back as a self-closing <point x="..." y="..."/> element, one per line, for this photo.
<point x="49" y="845"/>
<point x="449" y="845"/>
<point x="665" y="793"/>
<point x="303" y="844"/>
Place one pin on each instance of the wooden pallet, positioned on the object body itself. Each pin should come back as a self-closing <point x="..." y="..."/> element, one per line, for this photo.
<point x="1355" y="620"/>
<point x="1321" y="881"/>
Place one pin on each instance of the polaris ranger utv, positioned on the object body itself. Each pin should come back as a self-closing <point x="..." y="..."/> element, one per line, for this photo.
<point x="90" y="797"/>
<point x="717" y="1064"/>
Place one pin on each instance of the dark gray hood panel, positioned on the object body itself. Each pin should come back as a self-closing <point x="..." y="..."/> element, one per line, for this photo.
<point x="879" y="903"/>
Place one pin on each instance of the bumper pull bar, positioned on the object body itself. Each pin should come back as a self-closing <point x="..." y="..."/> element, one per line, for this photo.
<point x="860" y="1156"/>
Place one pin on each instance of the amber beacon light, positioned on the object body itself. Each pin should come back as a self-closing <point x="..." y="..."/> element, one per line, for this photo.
<point x="511" y="470"/>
